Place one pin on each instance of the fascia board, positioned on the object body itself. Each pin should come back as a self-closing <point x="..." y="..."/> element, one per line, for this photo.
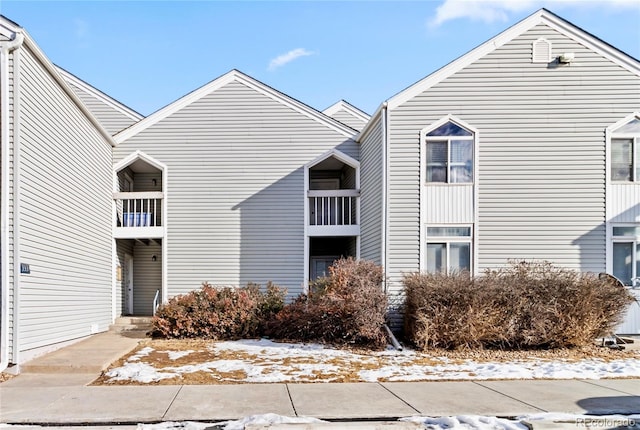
<point x="367" y="127"/>
<point x="53" y="71"/>
<point x="106" y="99"/>
<point x="218" y="83"/>
<point x="347" y="107"/>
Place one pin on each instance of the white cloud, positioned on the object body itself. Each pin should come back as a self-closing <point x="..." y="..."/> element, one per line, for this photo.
<point x="489" y="11"/>
<point x="283" y="59"/>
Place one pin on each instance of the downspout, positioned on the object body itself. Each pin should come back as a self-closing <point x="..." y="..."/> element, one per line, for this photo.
<point x="385" y="191"/>
<point x="5" y="50"/>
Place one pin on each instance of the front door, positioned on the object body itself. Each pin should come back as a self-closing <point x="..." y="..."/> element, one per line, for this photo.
<point x="128" y="284"/>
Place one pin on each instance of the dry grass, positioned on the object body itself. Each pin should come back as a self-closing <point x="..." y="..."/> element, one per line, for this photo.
<point x="5" y="377"/>
<point x="344" y="368"/>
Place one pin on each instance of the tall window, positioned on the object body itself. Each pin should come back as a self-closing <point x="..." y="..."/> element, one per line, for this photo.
<point x="626" y="253"/>
<point x="448" y="249"/>
<point x="625" y="148"/>
<point x="450" y="154"/>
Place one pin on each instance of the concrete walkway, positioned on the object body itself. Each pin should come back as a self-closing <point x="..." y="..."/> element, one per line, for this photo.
<point x="61" y="396"/>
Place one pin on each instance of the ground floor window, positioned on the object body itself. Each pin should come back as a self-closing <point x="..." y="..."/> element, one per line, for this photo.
<point x="626" y="253"/>
<point x="449" y="248"/>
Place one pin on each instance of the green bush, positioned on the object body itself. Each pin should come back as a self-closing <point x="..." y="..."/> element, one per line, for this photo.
<point x="526" y="305"/>
<point x="218" y="312"/>
<point x="347" y="307"/>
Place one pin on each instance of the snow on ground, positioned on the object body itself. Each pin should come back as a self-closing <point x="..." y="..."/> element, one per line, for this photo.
<point x="460" y="422"/>
<point x="264" y="361"/>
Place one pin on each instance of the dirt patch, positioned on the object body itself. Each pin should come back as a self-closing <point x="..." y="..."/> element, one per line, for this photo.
<point x="5" y="377"/>
<point x="201" y="362"/>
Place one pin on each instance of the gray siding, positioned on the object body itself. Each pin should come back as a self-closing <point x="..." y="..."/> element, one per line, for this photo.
<point x="105" y="109"/>
<point x="541" y="157"/>
<point x="65" y="214"/>
<point x="235" y="187"/>
<point x="371" y="188"/>
<point x="349" y="119"/>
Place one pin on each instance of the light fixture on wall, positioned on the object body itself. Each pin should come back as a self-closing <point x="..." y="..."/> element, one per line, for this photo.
<point x="567" y="57"/>
<point x="154" y="258"/>
<point x="154" y="182"/>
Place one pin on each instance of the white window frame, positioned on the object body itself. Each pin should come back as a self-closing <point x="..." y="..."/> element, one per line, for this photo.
<point x="448" y="240"/>
<point x="425" y="140"/>
<point x="612" y="135"/>
<point x="635" y="240"/>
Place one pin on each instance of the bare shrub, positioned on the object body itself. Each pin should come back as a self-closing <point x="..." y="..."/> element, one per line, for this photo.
<point x="525" y="305"/>
<point x="347" y="307"/>
<point x="218" y="312"/>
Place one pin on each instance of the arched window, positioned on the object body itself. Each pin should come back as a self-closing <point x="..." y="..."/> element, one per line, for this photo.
<point x="449" y="154"/>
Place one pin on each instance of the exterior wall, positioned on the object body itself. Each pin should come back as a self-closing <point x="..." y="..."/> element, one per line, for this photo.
<point x="112" y="117"/>
<point x="235" y="187"/>
<point x="541" y="159"/>
<point x="624" y="202"/>
<point x="349" y="119"/>
<point x="64" y="214"/>
<point x="371" y="191"/>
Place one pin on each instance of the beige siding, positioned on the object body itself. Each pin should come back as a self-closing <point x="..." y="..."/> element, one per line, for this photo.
<point x="541" y="158"/>
<point x="147" y="276"/>
<point x="65" y="215"/>
<point x="235" y="187"/>
<point x="371" y="185"/>
<point x="107" y="111"/>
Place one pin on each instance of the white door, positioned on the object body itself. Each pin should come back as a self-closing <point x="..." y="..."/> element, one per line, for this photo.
<point x="128" y="284"/>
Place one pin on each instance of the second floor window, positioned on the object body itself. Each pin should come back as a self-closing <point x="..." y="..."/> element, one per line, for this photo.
<point x="449" y="154"/>
<point x="625" y="148"/>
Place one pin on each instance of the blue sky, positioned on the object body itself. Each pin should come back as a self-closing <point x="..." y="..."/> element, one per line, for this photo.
<point x="147" y="54"/>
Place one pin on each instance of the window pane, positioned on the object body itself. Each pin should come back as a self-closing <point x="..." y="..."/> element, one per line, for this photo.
<point x="460" y="255"/>
<point x="436" y="161"/>
<point x="449" y="231"/>
<point x="626" y="231"/>
<point x="461" y="161"/>
<point x="621" y="159"/>
<point x="436" y="257"/>
<point x="450" y="129"/>
<point x="622" y="254"/>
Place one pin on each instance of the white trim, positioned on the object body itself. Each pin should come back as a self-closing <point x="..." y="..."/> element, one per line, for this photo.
<point x="384" y="246"/>
<point x="341" y="156"/>
<point x="542" y="16"/>
<point x="128" y="262"/>
<point x="424" y="187"/>
<point x="453" y="239"/>
<point x="333" y="230"/>
<point x="347" y="107"/>
<point x="133" y="157"/>
<point x="609" y="132"/>
<point x="16" y="211"/>
<point x="305" y="190"/>
<point x="100" y="96"/>
<point x="232" y="76"/>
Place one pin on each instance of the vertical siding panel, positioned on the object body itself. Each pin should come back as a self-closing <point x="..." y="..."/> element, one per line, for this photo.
<point x="123" y="247"/>
<point x="235" y="187"/>
<point x="65" y="215"/>
<point x="624" y="202"/>
<point x="371" y="186"/>
<point x="147" y="276"/>
<point x="449" y="204"/>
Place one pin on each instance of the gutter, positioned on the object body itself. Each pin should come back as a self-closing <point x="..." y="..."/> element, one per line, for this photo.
<point x="5" y="50"/>
<point x="385" y="190"/>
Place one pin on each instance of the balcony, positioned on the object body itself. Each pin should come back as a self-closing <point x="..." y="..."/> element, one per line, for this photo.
<point x="138" y="215"/>
<point x="333" y="212"/>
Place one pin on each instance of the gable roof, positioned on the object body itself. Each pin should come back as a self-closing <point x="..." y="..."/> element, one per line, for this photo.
<point x="347" y="107"/>
<point x="233" y="76"/>
<point x="542" y="16"/>
<point x="13" y="31"/>
<point x="102" y="97"/>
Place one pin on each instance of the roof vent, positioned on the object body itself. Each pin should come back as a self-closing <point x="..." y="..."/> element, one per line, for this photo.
<point x="541" y="51"/>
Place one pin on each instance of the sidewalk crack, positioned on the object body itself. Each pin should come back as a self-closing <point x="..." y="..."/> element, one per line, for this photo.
<point x="291" y="400"/>
<point x="398" y="397"/>
<point x="172" y="401"/>
<point x="511" y="397"/>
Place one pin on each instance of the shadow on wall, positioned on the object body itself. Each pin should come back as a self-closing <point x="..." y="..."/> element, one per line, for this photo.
<point x="272" y="233"/>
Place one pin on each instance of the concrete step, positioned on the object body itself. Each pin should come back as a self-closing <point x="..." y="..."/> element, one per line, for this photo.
<point x="131" y="324"/>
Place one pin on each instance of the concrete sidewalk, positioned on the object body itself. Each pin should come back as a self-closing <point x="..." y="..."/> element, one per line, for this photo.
<point x="64" y="397"/>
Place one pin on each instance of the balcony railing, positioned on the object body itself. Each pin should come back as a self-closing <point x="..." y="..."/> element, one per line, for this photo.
<point x="333" y="207"/>
<point x="141" y="212"/>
